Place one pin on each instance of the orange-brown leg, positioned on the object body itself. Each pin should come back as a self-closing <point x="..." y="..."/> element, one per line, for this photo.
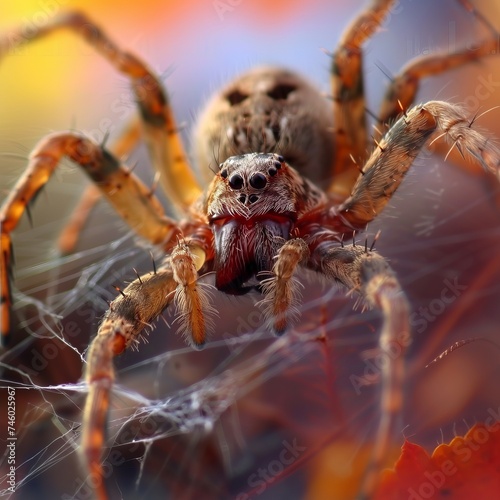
<point x="119" y="148"/>
<point x="159" y="127"/>
<point x="350" y="134"/>
<point x="192" y="299"/>
<point x="368" y="274"/>
<point x="128" y="315"/>
<point x="130" y="197"/>
<point x="281" y="289"/>
<point x="404" y="87"/>
<point x="132" y="311"/>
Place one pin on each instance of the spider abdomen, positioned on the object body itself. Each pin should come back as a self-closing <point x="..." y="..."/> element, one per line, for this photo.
<point x="269" y="109"/>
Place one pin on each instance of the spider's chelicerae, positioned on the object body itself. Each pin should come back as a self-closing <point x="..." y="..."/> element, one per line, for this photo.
<point x="263" y="216"/>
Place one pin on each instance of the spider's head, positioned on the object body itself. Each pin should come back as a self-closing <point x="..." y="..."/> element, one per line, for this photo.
<point x="252" y="185"/>
<point x="252" y="206"/>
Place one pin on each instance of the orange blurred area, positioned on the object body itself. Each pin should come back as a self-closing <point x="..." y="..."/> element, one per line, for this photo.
<point x="50" y="77"/>
<point x="150" y="11"/>
<point x="337" y="471"/>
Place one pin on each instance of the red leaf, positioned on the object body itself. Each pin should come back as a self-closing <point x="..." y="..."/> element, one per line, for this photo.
<point x="468" y="467"/>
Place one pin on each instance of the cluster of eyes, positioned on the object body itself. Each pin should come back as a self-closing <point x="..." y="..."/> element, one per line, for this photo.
<point x="257" y="181"/>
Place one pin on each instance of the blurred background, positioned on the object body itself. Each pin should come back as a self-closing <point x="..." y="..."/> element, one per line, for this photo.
<point x="440" y="230"/>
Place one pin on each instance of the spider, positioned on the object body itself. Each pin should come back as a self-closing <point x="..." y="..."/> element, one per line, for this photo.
<point x="263" y="216"/>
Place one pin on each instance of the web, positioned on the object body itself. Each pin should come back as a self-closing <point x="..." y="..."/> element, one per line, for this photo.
<point x="216" y="422"/>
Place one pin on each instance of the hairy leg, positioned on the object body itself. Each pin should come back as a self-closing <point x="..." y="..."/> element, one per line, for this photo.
<point x="192" y="299"/>
<point x="388" y="164"/>
<point x="132" y="311"/>
<point x="137" y="306"/>
<point x="368" y="274"/>
<point x="281" y="289"/>
<point x="120" y="147"/>
<point x="404" y="87"/>
<point x="349" y="105"/>
<point x="129" y="196"/>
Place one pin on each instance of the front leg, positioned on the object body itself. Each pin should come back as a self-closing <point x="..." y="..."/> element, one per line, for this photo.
<point x="281" y="289"/>
<point x="368" y="274"/>
<point x="137" y="306"/>
<point x="127" y="317"/>
<point x="192" y="299"/>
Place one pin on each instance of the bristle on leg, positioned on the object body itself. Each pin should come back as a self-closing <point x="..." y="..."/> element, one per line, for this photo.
<point x="281" y="290"/>
<point x="192" y="298"/>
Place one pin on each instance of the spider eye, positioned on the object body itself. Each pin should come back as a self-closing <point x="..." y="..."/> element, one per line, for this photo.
<point x="272" y="171"/>
<point x="258" y="181"/>
<point x="223" y="173"/>
<point x="236" y="181"/>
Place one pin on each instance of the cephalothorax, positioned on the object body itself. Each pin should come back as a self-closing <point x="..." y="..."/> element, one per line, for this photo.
<point x="294" y="181"/>
<point x="253" y="207"/>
